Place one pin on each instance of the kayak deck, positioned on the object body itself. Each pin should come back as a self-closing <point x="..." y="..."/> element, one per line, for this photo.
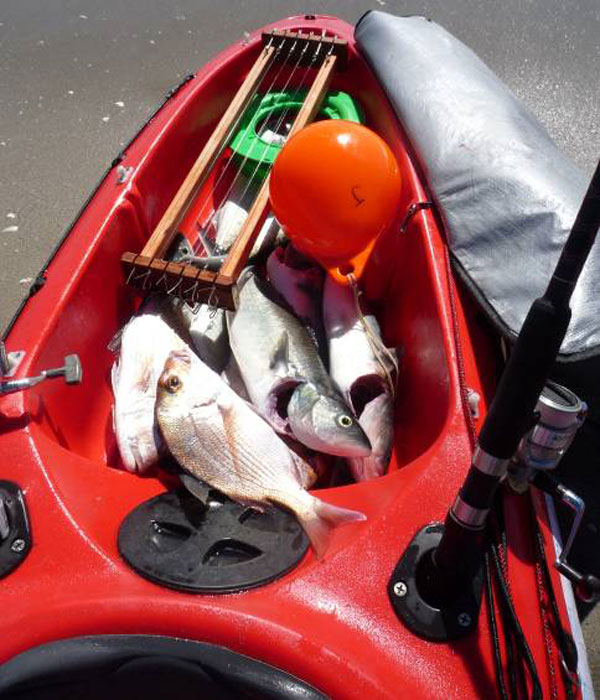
<point x="328" y="622"/>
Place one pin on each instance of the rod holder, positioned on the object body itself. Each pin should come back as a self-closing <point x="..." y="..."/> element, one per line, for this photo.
<point x="434" y="606"/>
<point x="458" y="554"/>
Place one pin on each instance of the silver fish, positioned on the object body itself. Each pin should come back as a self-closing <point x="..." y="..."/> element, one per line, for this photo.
<point x="231" y="215"/>
<point x="145" y="344"/>
<point x="300" y="283"/>
<point x="232" y="376"/>
<point x="364" y="371"/>
<point x="377" y="420"/>
<point x="218" y="438"/>
<point x="276" y="355"/>
<point x="201" y="326"/>
<point x="208" y="330"/>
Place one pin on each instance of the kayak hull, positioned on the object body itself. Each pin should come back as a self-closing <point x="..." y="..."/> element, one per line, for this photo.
<point x="327" y="622"/>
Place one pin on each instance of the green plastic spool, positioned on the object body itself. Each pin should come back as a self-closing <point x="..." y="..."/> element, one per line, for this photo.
<point x="258" y="153"/>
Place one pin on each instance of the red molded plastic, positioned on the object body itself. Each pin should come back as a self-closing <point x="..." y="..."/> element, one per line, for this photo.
<point x="328" y="622"/>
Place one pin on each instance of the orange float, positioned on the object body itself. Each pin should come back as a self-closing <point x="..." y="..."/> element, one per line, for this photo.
<point x="334" y="188"/>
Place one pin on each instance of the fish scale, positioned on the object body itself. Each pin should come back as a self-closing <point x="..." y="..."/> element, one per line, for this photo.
<point x="285" y="376"/>
<point x="221" y="440"/>
<point x="198" y="446"/>
<point x="360" y="375"/>
<point x="255" y="330"/>
<point x="145" y="344"/>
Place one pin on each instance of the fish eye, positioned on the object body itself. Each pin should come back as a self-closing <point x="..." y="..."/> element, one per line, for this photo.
<point x="345" y="421"/>
<point x="173" y="383"/>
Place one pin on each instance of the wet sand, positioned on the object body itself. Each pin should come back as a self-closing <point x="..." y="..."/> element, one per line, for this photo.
<point x="79" y="77"/>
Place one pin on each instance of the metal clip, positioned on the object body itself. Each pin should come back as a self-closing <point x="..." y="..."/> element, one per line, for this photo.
<point x="123" y="173"/>
<point x="411" y="211"/>
<point x="212" y="306"/>
<point x="162" y="279"/>
<point x="9" y="361"/>
<point x="177" y="284"/>
<point x="71" y="371"/>
<point x="132" y="277"/>
<point x="190" y="291"/>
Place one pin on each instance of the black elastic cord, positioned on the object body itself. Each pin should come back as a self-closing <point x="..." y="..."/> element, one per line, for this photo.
<point x="517" y="648"/>
<point x="515" y="627"/>
<point x="513" y="660"/>
<point x="494" y="629"/>
<point x="565" y="642"/>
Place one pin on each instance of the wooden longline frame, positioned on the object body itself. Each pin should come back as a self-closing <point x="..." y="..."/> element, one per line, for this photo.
<point x="149" y="270"/>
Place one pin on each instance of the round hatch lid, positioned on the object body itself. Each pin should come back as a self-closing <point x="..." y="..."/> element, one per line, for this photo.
<point x="177" y="541"/>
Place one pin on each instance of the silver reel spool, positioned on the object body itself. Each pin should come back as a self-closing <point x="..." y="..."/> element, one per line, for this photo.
<point x="561" y="414"/>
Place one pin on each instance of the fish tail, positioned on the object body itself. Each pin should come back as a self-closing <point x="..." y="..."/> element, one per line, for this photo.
<point x="357" y="467"/>
<point x="366" y="468"/>
<point x="320" y="521"/>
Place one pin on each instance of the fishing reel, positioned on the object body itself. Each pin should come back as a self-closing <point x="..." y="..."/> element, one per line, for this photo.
<point x="559" y="413"/>
<point x="437" y="585"/>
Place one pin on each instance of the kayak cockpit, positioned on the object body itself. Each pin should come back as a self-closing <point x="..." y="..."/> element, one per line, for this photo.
<point x="402" y="280"/>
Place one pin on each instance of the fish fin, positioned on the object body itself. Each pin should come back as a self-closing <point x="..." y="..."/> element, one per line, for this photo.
<point x="114" y="376"/>
<point x="196" y="487"/>
<point x="280" y="358"/>
<point x="322" y="520"/>
<point x="114" y="344"/>
<point x="228" y="415"/>
<point x="305" y="474"/>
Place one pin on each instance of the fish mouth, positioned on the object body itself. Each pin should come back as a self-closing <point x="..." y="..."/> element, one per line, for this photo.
<point x="364" y="390"/>
<point x="356" y="449"/>
<point x="337" y="446"/>
<point x="292" y="258"/>
<point x="277" y="405"/>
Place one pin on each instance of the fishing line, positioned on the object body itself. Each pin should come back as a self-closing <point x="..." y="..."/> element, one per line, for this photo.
<point x="265" y="124"/>
<point x="261" y="133"/>
<point x="240" y="117"/>
<point x="211" y="221"/>
<point x="375" y="342"/>
<point x="262" y="80"/>
<point x="242" y="113"/>
<point x="285" y="112"/>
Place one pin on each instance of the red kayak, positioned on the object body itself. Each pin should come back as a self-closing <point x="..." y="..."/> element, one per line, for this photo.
<point x="328" y="624"/>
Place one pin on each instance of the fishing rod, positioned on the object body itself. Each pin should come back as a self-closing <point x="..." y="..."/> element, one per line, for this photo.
<point x="441" y="568"/>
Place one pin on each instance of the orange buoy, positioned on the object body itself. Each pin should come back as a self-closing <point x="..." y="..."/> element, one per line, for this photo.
<point x="334" y="188"/>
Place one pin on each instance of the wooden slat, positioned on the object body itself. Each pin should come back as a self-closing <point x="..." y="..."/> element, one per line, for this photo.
<point x="326" y="45"/>
<point x="240" y="251"/>
<point x="183" y="281"/>
<point x="164" y="233"/>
